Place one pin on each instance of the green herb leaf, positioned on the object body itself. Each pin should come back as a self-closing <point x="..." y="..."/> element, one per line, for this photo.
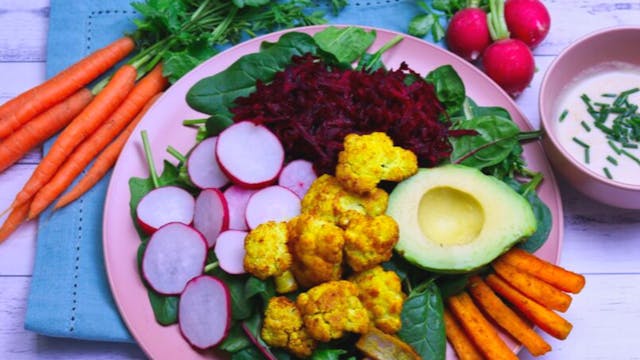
<point x="449" y="87"/>
<point x="253" y="3"/>
<point x="346" y="44"/>
<point x="421" y="25"/>
<point x="422" y="323"/>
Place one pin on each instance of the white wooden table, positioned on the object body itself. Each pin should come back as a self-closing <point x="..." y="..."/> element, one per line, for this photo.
<point x="601" y="242"/>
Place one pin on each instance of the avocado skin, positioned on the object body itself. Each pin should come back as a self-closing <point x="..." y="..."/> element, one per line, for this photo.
<point x="508" y="219"/>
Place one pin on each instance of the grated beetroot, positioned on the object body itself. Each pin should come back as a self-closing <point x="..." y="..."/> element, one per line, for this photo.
<point x="311" y="107"/>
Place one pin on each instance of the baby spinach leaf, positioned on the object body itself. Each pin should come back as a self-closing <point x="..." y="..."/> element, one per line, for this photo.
<point x="422" y="322"/>
<point x="346" y="44"/>
<point x="165" y="308"/>
<point x="449" y="87"/>
<point x="249" y="353"/>
<point x="265" y="288"/>
<point x="544" y="219"/>
<point x="236" y="339"/>
<point x="495" y="139"/>
<point x="216" y="94"/>
<point x="452" y="285"/>
<point x="327" y="354"/>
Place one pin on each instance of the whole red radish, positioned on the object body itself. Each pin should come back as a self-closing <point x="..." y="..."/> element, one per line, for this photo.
<point x="527" y="20"/>
<point x="468" y="33"/>
<point x="509" y="62"/>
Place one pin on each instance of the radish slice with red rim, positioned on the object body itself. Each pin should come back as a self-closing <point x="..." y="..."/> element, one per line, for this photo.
<point x="175" y="254"/>
<point x="273" y="203"/>
<point x="229" y="250"/>
<point x="203" y="168"/>
<point x="297" y="176"/>
<point x="211" y="215"/>
<point x="237" y="198"/>
<point x="204" y="311"/>
<point x="164" y="205"/>
<point x="249" y="154"/>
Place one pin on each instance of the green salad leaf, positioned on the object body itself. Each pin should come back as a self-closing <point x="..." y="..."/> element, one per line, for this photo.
<point x="449" y="87"/>
<point x="347" y="44"/>
<point x="422" y="321"/>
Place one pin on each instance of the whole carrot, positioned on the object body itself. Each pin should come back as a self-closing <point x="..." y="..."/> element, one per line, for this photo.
<point x="42" y="127"/>
<point x="146" y="89"/>
<point x="98" y="110"/>
<point x="16" y="217"/>
<point x="104" y="161"/>
<point x="25" y="106"/>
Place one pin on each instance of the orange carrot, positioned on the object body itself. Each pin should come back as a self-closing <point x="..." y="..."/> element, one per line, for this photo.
<point x="459" y="340"/>
<point x="147" y="88"/>
<point x="555" y="275"/>
<point x="98" y="110"/>
<point x="42" y="127"/>
<point x="29" y="104"/>
<point x="547" y="320"/>
<point x="540" y="291"/>
<point x="104" y="161"/>
<point x="506" y="318"/>
<point x="481" y="332"/>
<point x="16" y="217"/>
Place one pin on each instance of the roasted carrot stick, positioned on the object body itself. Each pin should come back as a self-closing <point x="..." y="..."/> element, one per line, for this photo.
<point x="540" y="291"/>
<point x="14" y="113"/>
<point x="506" y="318"/>
<point x="17" y="216"/>
<point x="481" y="332"/>
<point x="555" y="275"/>
<point x="104" y="161"/>
<point x="146" y="89"/>
<point x="42" y="127"/>
<point x="98" y="110"/>
<point x="552" y="323"/>
<point x="459" y="340"/>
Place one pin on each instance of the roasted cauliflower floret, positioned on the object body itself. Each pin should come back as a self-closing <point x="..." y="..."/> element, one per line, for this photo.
<point x="331" y="308"/>
<point x="368" y="159"/>
<point x="266" y="251"/>
<point x="382" y="296"/>
<point x="316" y="246"/>
<point x="369" y="240"/>
<point x="326" y="198"/>
<point x="283" y="327"/>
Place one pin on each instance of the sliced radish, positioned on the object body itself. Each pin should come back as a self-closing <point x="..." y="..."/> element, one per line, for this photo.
<point x="229" y="250"/>
<point x="203" y="167"/>
<point x="204" y="311"/>
<point x="297" y="176"/>
<point x="249" y="154"/>
<point x="275" y="203"/>
<point x="165" y="205"/>
<point x="211" y="215"/>
<point x="175" y="254"/>
<point x="237" y="198"/>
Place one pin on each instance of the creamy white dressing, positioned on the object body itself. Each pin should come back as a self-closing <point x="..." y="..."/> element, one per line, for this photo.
<point x="570" y="131"/>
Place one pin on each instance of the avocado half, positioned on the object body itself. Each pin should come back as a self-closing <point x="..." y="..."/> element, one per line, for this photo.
<point x="456" y="219"/>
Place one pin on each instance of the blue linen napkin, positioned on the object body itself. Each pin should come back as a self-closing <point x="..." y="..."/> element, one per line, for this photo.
<point x="69" y="294"/>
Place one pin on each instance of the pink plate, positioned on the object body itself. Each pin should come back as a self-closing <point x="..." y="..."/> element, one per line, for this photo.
<point x="163" y="123"/>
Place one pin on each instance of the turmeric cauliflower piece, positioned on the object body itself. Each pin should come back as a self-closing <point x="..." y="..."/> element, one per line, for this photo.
<point x="331" y="308"/>
<point x="266" y="251"/>
<point x="382" y="296"/>
<point x="316" y="246"/>
<point x="283" y="327"/>
<point x="368" y="159"/>
<point x="369" y="240"/>
<point x="326" y="198"/>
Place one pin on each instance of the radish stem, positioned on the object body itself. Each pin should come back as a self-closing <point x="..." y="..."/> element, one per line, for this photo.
<point x="149" y="157"/>
<point x="176" y="154"/>
<point x="497" y="23"/>
<point x="211" y="266"/>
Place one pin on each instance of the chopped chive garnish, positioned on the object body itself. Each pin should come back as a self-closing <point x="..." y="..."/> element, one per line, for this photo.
<point x="629" y="146"/>
<point x="587" y="158"/>
<point x="630" y="156"/>
<point x="609" y="95"/>
<point x="564" y="114"/>
<point x="607" y="172"/>
<point x="580" y="142"/>
<point x="585" y="126"/>
<point x="612" y="160"/>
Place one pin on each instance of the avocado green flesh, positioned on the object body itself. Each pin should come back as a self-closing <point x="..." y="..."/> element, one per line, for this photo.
<point x="456" y="219"/>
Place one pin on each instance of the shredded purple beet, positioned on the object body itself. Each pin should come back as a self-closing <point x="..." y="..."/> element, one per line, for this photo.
<point x="312" y="107"/>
